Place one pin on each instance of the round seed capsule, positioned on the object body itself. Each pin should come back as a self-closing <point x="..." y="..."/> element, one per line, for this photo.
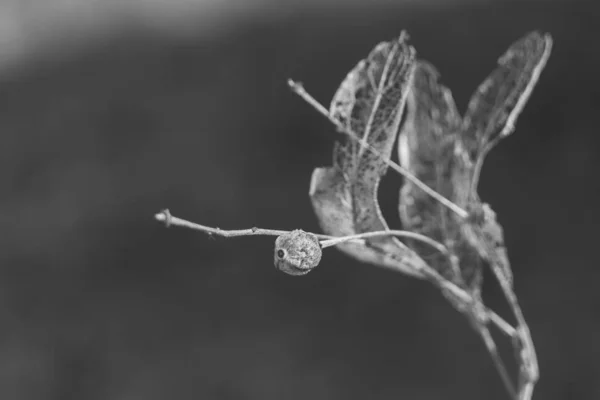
<point x="297" y="252"/>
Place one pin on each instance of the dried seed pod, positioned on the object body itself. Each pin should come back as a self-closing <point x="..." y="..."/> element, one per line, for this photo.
<point x="297" y="252"/>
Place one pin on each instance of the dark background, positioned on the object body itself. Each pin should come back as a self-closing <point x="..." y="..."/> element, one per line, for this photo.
<point x="98" y="301"/>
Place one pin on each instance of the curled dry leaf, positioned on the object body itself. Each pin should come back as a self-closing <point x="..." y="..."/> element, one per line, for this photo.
<point x="368" y="103"/>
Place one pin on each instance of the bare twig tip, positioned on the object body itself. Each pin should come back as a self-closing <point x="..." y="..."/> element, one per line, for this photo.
<point x="164" y="216"/>
<point x="295" y="85"/>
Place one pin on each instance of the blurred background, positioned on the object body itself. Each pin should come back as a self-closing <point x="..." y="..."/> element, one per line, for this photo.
<point x="113" y="110"/>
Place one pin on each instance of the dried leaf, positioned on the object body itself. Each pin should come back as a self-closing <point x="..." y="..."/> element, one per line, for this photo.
<point x="447" y="154"/>
<point x="494" y="107"/>
<point x="427" y="145"/>
<point x="491" y="115"/>
<point x="369" y="103"/>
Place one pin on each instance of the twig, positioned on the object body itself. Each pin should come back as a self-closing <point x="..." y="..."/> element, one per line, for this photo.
<point x="328" y="241"/>
<point x="529" y="369"/>
<point x="407" y="234"/>
<point x="490" y="344"/>
<point x="300" y="91"/>
<point x="169" y="220"/>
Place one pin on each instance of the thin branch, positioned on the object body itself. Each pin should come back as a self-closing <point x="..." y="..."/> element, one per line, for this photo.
<point x="490" y="344"/>
<point x="407" y="234"/>
<point x="169" y="220"/>
<point x="529" y="371"/>
<point x="502" y="325"/>
<point x="328" y="241"/>
<point x="300" y="91"/>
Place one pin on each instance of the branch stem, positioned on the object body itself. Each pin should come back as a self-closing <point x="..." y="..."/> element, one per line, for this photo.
<point x="300" y="91"/>
<point x="328" y="241"/>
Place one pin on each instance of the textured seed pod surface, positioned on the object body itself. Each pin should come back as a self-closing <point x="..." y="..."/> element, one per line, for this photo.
<point x="297" y="252"/>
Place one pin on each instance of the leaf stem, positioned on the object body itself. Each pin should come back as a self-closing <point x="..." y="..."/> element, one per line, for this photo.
<point x="366" y="235"/>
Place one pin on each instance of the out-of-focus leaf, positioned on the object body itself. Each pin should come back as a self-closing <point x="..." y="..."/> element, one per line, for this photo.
<point x="428" y="149"/>
<point x="490" y="116"/>
<point x="494" y="107"/>
<point x="446" y="153"/>
<point x="369" y="103"/>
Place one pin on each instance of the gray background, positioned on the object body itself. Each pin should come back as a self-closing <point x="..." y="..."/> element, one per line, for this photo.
<point x="107" y="117"/>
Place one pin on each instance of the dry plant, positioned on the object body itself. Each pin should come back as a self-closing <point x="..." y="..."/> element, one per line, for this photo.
<point x="450" y="235"/>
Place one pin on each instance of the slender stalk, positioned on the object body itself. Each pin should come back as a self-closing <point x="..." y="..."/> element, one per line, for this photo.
<point x="366" y="235"/>
<point x="490" y="344"/>
<point x="329" y="241"/>
<point x="300" y="91"/>
<point x="170" y="220"/>
<point x="529" y="369"/>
